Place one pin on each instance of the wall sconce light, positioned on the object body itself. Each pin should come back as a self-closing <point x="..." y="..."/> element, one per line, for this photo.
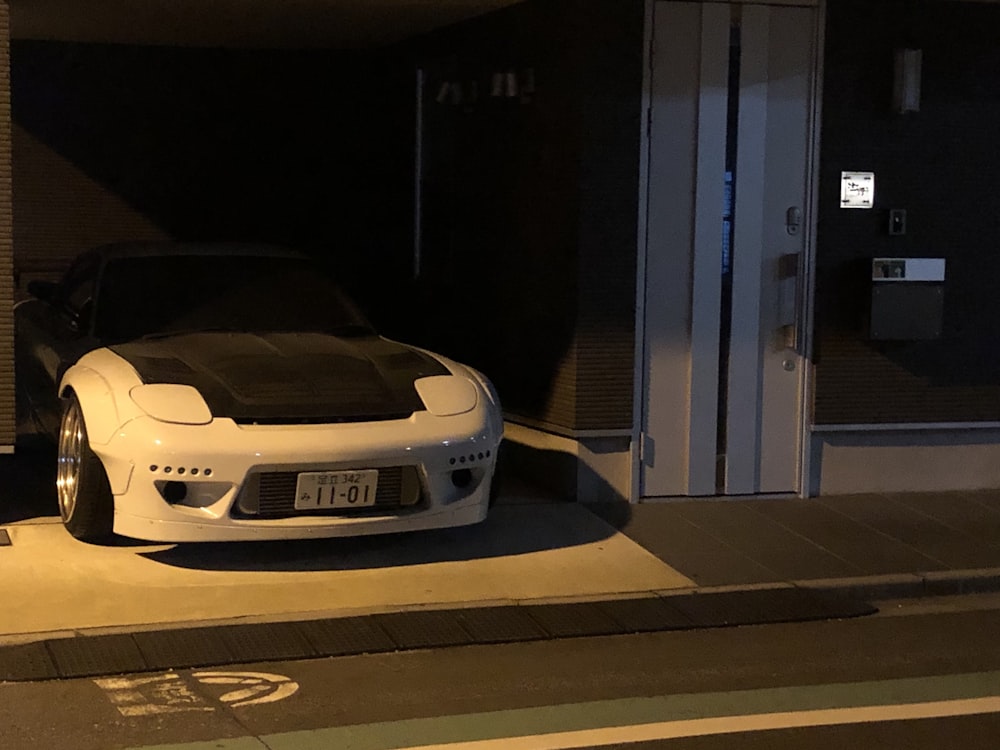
<point x="468" y="92"/>
<point x="504" y="84"/>
<point x="510" y="84"/>
<point x="906" y="84"/>
<point x="513" y="84"/>
<point x="528" y="85"/>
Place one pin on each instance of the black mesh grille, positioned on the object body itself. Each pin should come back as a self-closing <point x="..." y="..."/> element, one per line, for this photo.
<point x="272" y="494"/>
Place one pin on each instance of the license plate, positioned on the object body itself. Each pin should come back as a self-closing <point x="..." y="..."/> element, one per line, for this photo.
<point x="335" y="489"/>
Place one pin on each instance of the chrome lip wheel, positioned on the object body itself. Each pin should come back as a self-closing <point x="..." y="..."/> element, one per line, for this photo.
<point x="70" y="460"/>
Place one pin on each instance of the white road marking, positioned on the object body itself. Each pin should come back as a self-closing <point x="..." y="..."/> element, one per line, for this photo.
<point x="664" y="717"/>
<point x="269" y="687"/>
<point x="730" y="725"/>
<point x="150" y="696"/>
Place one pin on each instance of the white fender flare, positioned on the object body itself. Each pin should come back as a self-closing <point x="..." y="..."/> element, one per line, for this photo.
<point x="101" y="381"/>
<point x="97" y="402"/>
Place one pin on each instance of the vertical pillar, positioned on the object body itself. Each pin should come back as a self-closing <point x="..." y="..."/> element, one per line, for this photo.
<point x="7" y="418"/>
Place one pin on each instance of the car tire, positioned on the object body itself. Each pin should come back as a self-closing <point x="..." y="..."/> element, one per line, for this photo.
<point x="86" y="505"/>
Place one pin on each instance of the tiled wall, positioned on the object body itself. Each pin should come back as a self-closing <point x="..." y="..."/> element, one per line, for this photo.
<point x="543" y="193"/>
<point x="6" y="242"/>
<point x="940" y="164"/>
<point x="188" y="143"/>
<point x="60" y="211"/>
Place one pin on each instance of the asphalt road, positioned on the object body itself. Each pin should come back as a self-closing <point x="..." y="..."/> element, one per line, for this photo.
<point x="896" y="679"/>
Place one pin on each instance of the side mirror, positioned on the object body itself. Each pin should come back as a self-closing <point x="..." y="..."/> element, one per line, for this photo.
<point x="80" y="321"/>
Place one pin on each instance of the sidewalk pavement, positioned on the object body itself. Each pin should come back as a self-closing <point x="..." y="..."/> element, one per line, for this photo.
<point x="537" y="568"/>
<point x="872" y="546"/>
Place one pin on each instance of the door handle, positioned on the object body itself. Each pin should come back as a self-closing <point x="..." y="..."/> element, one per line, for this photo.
<point x="788" y="299"/>
<point x="788" y="284"/>
<point x="793" y="220"/>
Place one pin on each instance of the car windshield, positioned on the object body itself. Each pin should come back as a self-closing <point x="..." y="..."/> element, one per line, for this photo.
<point x="162" y="295"/>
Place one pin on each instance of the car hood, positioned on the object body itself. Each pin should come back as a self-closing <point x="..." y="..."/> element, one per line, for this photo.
<point x="273" y="378"/>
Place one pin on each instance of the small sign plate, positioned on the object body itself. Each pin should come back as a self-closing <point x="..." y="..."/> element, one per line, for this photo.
<point x="857" y="189"/>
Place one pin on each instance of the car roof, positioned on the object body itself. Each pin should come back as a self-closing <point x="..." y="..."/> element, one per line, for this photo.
<point x="142" y="249"/>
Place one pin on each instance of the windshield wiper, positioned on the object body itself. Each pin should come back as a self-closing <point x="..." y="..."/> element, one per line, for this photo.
<point x="353" y="329"/>
<point x="348" y="331"/>
<point x="188" y="332"/>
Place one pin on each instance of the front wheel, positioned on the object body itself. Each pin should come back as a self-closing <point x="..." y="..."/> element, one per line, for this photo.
<point x="86" y="505"/>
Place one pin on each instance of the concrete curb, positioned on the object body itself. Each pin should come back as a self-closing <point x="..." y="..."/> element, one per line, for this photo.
<point x="207" y="645"/>
<point x="873" y="588"/>
<point x="868" y="588"/>
<point x="82" y="654"/>
<point x="889" y="586"/>
<point x="907" y="585"/>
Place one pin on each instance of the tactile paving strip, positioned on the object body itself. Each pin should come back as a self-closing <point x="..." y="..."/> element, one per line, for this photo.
<point x="500" y="625"/>
<point x="266" y="642"/>
<point x="101" y="654"/>
<point x="346" y="635"/>
<point x="30" y="661"/>
<point x="646" y="614"/>
<point x="577" y="619"/>
<point x="187" y="647"/>
<point x="424" y="628"/>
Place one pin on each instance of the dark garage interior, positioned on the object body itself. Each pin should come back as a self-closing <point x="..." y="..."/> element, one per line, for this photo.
<point x="529" y="194"/>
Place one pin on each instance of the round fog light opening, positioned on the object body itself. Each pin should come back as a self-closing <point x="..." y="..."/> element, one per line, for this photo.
<point x="175" y="492"/>
<point x="461" y="478"/>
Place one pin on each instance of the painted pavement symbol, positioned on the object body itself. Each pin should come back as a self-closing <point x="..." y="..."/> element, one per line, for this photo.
<point x="255" y="687"/>
<point x="168" y="693"/>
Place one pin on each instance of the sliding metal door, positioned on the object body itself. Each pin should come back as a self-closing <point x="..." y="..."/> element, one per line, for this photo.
<point x="730" y="138"/>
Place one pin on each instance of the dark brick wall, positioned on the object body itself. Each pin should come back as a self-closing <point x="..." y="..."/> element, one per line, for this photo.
<point x="940" y="164"/>
<point x="610" y="85"/>
<point x="274" y="146"/>
<point x="59" y="209"/>
<point x="7" y="418"/>
<point x="532" y="206"/>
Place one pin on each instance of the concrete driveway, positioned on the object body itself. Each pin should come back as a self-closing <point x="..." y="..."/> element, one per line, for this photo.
<point x="531" y="548"/>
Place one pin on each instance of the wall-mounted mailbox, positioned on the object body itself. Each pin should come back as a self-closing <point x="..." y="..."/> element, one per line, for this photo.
<point x="907" y="299"/>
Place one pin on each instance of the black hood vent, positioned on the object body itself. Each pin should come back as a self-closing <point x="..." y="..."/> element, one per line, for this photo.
<point x="288" y="378"/>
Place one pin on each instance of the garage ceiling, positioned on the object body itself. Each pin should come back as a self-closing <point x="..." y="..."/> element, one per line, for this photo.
<point x="337" y="24"/>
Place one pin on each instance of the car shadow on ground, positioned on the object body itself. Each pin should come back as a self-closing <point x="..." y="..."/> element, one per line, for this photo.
<point x="526" y="519"/>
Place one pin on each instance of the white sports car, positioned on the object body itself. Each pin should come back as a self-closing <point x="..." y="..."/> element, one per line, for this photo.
<point x="210" y="393"/>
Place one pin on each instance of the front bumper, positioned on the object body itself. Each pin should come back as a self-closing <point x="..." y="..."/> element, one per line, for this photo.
<point x="214" y="462"/>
